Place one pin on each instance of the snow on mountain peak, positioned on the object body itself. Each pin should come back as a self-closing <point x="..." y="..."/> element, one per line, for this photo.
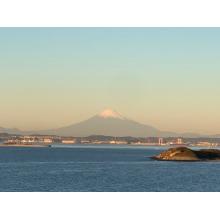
<point x="109" y="113"/>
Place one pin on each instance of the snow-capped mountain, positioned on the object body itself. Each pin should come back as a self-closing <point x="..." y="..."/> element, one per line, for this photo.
<point x="110" y="123"/>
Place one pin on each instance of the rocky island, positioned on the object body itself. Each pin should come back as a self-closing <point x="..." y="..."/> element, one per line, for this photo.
<point x="187" y="154"/>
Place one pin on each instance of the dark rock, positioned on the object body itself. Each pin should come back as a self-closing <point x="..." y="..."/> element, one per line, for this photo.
<point x="186" y="154"/>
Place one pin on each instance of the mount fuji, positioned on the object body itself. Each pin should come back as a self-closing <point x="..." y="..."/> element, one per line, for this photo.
<point x="109" y="123"/>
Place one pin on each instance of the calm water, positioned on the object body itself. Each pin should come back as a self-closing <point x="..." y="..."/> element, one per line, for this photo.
<point x="90" y="168"/>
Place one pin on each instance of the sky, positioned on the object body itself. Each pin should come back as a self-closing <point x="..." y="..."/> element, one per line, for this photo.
<point x="165" y="77"/>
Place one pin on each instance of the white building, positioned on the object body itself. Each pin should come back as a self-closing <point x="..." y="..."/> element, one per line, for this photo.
<point x="69" y="141"/>
<point x="47" y="140"/>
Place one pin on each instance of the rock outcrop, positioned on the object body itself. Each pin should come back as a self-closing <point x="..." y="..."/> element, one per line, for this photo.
<point x="186" y="154"/>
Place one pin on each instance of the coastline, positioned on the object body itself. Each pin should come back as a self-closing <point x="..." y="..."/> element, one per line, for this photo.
<point x="20" y="145"/>
<point x="184" y="154"/>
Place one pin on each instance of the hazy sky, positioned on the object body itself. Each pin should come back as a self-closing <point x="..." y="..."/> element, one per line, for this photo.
<point x="165" y="77"/>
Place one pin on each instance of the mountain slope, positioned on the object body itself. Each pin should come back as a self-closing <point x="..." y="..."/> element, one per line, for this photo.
<point x="109" y="123"/>
<point x="10" y="130"/>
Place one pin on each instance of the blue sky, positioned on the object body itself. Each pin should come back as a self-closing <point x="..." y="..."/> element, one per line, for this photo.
<point x="166" y="77"/>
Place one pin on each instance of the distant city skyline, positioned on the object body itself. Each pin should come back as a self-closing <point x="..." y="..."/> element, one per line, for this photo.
<point x="164" y="77"/>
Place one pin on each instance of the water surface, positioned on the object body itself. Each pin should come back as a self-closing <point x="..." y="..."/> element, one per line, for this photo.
<point x="101" y="168"/>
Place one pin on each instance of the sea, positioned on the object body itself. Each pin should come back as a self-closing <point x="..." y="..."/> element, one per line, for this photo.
<point x="101" y="168"/>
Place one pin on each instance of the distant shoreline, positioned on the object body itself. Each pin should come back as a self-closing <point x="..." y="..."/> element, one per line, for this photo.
<point x="21" y="145"/>
<point x="55" y="145"/>
<point x="114" y="145"/>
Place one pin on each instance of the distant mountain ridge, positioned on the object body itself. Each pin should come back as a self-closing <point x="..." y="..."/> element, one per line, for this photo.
<point x="10" y="130"/>
<point x="108" y="123"/>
